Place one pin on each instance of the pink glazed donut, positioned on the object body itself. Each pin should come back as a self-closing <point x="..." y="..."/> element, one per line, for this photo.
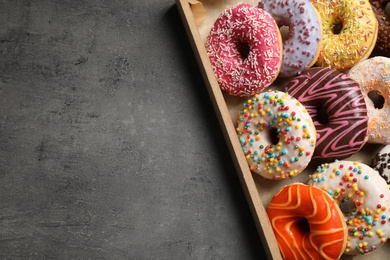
<point x="303" y="45"/>
<point x="245" y="50"/>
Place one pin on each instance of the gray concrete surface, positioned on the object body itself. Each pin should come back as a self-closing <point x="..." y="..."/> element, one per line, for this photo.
<point x="109" y="147"/>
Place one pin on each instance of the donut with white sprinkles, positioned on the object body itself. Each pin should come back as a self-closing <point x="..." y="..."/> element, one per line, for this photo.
<point x="245" y="50"/>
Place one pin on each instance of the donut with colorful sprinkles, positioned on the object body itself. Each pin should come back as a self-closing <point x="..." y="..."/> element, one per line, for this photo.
<point x="382" y="46"/>
<point x="245" y="50"/>
<point x="350" y="32"/>
<point x="373" y="75"/>
<point x="364" y="198"/>
<point x="277" y="135"/>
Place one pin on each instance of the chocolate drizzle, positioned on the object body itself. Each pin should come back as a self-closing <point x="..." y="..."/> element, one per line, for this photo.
<point x="341" y="98"/>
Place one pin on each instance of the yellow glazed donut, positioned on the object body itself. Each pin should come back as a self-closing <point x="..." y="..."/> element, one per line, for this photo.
<point x="357" y="38"/>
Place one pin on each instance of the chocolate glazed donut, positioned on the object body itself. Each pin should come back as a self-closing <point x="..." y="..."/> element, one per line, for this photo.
<point x="337" y="107"/>
<point x="382" y="46"/>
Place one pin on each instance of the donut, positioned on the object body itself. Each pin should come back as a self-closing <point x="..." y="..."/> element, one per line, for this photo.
<point x="303" y="45"/>
<point x="245" y="50"/>
<point x="276" y="134"/>
<point x="374" y="75"/>
<point x="337" y="107"/>
<point x="365" y="198"/>
<point x="307" y="223"/>
<point x="382" y="46"/>
<point x="381" y="163"/>
<point x="357" y="37"/>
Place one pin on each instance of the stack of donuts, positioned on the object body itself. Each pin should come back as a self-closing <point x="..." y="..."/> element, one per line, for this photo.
<point x="335" y="66"/>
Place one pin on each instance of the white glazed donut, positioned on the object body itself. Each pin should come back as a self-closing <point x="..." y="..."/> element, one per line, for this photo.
<point x="381" y="163"/>
<point x="368" y="223"/>
<point x="302" y="47"/>
<point x="374" y="75"/>
<point x="277" y="135"/>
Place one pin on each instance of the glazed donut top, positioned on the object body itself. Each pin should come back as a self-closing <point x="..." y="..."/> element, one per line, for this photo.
<point x="302" y="47"/>
<point x="357" y="37"/>
<point x="290" y="150"/>
<point x="368" y="223"/>
<point x="374" y="75"/>
<point x="236" y="26"/>
<point x="326" y="236"/>
<point x="346" y="130"/>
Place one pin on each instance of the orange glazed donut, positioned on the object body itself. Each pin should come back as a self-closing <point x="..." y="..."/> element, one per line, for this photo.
<point x="307" y="223"/>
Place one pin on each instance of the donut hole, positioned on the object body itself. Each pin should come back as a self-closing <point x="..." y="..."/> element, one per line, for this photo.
<point x="323" y="117"/>
<point x="302" y="225"/>
<point x="337" y="28"/>
<point x="285" y="32"/>
<point x="387" y="10"/>
<point x="376" y="98"/>
<point x="243" y="49"/>
<point x="274" y="136"/>
<point x="347" y="206"/>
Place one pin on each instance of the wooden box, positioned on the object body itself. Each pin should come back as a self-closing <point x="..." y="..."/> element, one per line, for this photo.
<point x="258" y="190"/>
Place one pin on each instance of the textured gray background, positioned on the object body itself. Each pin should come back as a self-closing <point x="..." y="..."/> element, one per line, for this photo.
<point x="109" y="147"/>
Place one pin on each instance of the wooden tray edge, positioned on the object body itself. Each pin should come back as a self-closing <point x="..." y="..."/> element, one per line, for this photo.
<point x="259" y="213"/>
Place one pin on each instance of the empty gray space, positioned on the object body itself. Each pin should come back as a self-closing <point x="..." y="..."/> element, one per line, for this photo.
<point x="109" y="146"/>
